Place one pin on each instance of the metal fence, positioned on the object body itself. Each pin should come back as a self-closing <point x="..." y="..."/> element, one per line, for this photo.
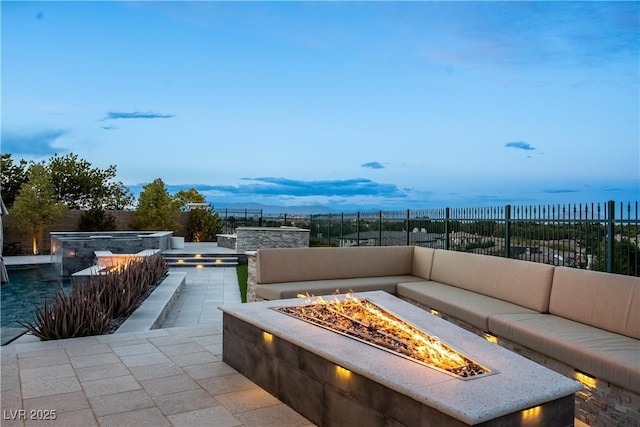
<point x="599" y="236"/>
<point x="234" y="218"/>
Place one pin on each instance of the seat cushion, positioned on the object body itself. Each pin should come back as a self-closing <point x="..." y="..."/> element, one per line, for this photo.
<point x="274" y="291"/>
<point x="470" y="307"/>
<point x="603" y="354"/>
<point x="519" y="282"/>
<point x="604" y="300"/>
<point x="422" y="262"/>
<point x="308" y="264"/>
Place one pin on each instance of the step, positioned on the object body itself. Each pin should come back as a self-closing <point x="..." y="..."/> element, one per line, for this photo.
<point x="189" y="260"/>
<point x="188" y="263"/>
<point x="202" y="260"/>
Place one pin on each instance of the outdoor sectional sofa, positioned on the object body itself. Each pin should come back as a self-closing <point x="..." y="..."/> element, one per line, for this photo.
<point x="583" y="324"/>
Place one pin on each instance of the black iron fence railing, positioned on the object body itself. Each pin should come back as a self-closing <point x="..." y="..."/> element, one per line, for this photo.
<point x="598" y="236"/>
<point x="234" y="218"/>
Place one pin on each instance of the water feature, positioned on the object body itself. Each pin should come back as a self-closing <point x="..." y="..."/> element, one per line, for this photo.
<point x="27" y="287"/>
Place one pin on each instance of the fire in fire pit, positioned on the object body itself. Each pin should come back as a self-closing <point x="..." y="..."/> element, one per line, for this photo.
<point x="364" y="321"/>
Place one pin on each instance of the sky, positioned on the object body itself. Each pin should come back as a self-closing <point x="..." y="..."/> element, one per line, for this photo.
<point x="333" y="105"/>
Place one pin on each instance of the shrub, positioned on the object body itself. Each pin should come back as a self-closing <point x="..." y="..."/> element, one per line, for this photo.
<point x="97" y="219"/>
<point x="76" y="314"/>
<point x="96" y="307"/>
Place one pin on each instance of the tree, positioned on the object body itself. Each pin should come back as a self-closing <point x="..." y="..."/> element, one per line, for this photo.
<point x="12" y="176"/>
<point x="626" y="257"/>
<point x="36" y="206"/>
<point x="156" y="210"/>
<point x="204" y="225"/>
<point x="183" y="198"/>
<point x="81" y="186"/>
<point x="97" y="219"/>
<point x="119" y="197"/>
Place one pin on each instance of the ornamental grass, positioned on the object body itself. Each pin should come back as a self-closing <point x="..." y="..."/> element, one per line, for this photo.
<point x="99" y="306"/>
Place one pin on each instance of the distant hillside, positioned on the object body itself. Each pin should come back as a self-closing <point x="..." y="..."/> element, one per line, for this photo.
<point x="275" y="209"/>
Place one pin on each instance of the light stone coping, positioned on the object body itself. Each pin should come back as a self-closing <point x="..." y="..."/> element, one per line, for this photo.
<point x="154" y="309"/>
<point x="516" y="383"/>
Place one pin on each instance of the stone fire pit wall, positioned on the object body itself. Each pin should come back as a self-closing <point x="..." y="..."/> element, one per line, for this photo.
<point x="334" y="380"/>
<point x="254" y="238"/>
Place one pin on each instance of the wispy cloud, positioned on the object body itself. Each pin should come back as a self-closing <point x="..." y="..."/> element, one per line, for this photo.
<point x="114" y="115"/>
<point x="560" y="190"/>
<point x="108" y="127"/>
<point x="39" y="143"/>
<point x="520" y="145"/>
<point x="274" y="186"/>
<point x="373" y="165"/>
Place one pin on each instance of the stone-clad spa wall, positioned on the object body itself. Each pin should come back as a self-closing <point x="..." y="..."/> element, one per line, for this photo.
<point x="254" y="238"/>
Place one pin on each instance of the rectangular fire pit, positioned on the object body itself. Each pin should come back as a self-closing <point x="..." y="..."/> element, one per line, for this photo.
<point x="332" y="379"/>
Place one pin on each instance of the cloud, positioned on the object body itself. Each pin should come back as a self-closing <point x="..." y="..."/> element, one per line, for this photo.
<point x="373" y="165"/>
<point x="39" y="144"/>
<point x="114" y="115"/>
<point x="560" y="190"/>
<point x="108" y="127"/>
<point x="274" y="186"/>
<point x="520" y="145"/>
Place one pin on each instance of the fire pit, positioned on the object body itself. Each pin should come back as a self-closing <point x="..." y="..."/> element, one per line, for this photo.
<point x="333" y="379"/>
<point x="365" y="321"/>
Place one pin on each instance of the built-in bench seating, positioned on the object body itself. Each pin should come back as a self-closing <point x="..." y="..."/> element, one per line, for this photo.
<point x="574" y="321"/>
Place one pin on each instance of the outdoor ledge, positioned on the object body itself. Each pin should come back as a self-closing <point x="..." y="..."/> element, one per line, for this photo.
<point x="154" y="309"/>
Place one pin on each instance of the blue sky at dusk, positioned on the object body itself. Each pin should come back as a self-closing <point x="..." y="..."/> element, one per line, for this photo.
<point x="348" y="105"/>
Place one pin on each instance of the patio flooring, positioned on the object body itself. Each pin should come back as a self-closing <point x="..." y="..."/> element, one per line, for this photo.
<point x="173" y="376"/>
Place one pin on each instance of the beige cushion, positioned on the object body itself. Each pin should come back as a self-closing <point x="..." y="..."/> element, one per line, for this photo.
<point x="470" y="307"/>
<point x="326" y="287"/>
<point x="605" y="355"/>
<point x="604" y="300"/>
<point x="422" y="261"/>
<point x="301" y="264"/>
<point x="519" y="282"/>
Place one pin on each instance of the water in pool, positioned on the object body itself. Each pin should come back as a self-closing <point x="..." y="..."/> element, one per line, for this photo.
<point x="26" y="287"/>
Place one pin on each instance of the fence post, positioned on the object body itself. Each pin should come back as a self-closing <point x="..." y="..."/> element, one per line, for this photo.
<point x="447" y="230"/>
<point x="408" y="219"/>
<point x="611" y="211"/>
<point x="380" y="228"/>
<point x="507" y="231"/>
<point x="358" y="229"/>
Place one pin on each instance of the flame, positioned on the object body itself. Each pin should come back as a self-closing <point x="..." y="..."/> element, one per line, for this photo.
<point x="359" y="317"/>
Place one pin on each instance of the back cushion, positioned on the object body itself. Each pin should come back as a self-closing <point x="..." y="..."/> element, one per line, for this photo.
<point x="299" y="264"/>
<point x="524" y="283"/>
<point x="604" y="300"/>
<point x="422" y="261"/>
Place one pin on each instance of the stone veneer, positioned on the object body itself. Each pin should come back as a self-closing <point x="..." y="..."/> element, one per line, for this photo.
<point x="75" y="251"/>
<point x="334" y="380"/>
<point x="226" y="240"/>
<point x="254" y="238"/>
<point x="252" y="277"/>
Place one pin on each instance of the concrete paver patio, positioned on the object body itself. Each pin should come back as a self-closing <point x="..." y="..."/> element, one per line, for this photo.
<point x="162" y="377"/>
<point x="172" y="376"/>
